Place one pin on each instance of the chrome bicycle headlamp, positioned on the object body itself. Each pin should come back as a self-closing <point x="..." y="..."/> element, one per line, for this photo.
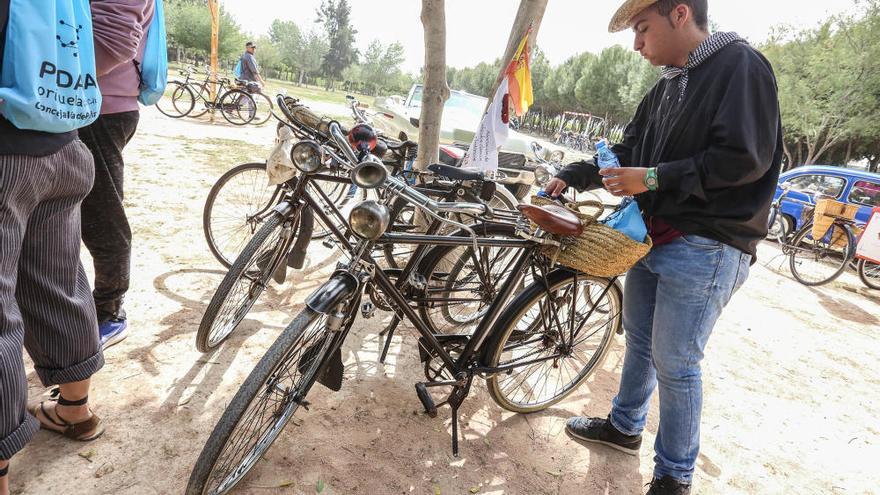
<point x="307" y="156"/>
<point x="543" y="174"/>
<point x="369" y="219"/>
<point x="557" y="156"/>
<point x="369" y="174"/>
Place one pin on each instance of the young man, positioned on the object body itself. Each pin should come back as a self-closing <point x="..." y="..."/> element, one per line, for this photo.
<point x="702" y="157"/>
<point x="45" y="303"/>
<point x="120" y="28"/>
<point x="250" y="70"/>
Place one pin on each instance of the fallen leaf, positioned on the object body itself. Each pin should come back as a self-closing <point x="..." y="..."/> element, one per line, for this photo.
<point x="555" y="473"/>
<point x="284" y="484"/>
<point x="319" y="486"/>
<point x="104" y="470"/>
<point x="486" y="441"/>
<point x="436" y="490"/>
<point x="474" y="489"/>
<point x="87" y="455"/>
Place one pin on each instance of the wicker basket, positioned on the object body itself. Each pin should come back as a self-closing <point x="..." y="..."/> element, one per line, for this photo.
<point x="600" y="250"/>
<point x="825" y="213"/>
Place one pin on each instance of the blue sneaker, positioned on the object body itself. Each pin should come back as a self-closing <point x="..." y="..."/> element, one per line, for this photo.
<point x="112" y="331"/>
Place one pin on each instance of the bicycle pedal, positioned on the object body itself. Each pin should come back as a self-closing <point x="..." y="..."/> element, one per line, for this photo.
<point x="328" y="243"/>
<point x="426" y="400"/>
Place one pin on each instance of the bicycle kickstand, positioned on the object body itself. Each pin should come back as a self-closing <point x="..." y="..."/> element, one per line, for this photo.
<point x="388" y="332"/>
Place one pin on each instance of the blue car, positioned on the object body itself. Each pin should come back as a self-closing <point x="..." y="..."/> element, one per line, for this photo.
<point x="843" y="184"/>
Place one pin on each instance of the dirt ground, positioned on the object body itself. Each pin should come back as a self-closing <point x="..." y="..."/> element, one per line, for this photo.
<point x="791" y="379"/>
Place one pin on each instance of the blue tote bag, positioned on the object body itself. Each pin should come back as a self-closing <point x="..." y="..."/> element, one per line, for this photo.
<point x="48" y="80"/>
<point x="153" y="69"/>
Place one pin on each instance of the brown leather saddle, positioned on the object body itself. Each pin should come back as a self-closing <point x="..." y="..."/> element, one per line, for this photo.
<point x="553" y="219"/>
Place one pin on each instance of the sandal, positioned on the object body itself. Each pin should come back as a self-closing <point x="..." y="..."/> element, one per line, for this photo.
<point x="83" y="431"/>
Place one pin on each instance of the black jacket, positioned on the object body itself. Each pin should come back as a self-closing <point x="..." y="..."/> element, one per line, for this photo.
<point x="718" y="151"/>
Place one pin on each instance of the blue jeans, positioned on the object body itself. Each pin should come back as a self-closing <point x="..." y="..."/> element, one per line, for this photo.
<point x="672" y="299"/>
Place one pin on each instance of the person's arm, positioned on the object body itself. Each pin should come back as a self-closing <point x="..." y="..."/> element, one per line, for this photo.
<point x="584" y="175"/>
<point x="118" y="29"/>
<point x="743" y="137"/>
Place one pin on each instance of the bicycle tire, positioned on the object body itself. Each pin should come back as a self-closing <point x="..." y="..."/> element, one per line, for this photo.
<point x="265" y="377"/>
<point x="448" y="277"/>
<point x="801" y="237"/>
<point x="266" y="250"/>
<point x="234" y="111"/>
<point x="869" y="272"/>
<point x="242" y="231"/>
<point x="263" y="109"/>
<point x="515" y="313"/>
<point x="179" y="90"/>
<point x="202" y="95"/>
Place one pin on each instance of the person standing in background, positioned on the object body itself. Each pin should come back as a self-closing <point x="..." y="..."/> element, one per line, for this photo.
<point x="120" y="28"/>
<point x="250" y="70"/>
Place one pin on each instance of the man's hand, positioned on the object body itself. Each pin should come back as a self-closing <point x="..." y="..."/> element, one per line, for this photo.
<point x="624" y="181"/>
<point x="555" y="187"/>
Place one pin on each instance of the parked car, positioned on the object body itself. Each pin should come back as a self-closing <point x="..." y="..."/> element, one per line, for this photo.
<point x="843" y="184"/>
<point x="461" y="117"/>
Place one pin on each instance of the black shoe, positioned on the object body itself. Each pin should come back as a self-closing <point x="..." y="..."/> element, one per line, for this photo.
<point x="600" y="430"/>
<point x="668" y="485"/>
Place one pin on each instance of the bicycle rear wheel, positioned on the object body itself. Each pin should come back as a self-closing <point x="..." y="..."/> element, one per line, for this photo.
<point x="239" y="202"/>
<point x="555" y="338"/>
<point x="869" y="272"/>
<point x="246" y="280"/>
<point x="819" y="261"/>
<point x="270" y="396"/>
<point x="237" y="107"/>
<point x="461" y="284"/>
<point x="177" y="102"/>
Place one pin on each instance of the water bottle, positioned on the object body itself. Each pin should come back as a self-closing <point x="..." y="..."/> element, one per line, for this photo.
<point x="605" y="157"/>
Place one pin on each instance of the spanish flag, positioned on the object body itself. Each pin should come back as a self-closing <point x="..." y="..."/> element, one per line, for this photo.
<point x="519" y="77"/>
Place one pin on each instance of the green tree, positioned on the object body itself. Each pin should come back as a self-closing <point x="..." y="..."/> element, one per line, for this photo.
<point x="335" y="15"/>
<point x="188" y="24"/>
<point x="382" y="63"/>
<point x="288" y="39"/>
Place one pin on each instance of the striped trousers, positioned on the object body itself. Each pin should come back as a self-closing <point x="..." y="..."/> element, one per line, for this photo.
<point x="45" y="301"/>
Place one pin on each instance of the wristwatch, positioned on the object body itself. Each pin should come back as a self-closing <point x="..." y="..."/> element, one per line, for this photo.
<point x="651" y="179"/>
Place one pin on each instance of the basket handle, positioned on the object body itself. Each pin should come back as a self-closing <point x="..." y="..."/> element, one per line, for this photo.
<point x="589" y="202"/>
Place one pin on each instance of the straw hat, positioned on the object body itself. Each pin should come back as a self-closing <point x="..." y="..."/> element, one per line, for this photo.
<point x="626" y="12"/>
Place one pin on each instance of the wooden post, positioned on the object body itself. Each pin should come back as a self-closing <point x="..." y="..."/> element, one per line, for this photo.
<point x="214" y="7"/>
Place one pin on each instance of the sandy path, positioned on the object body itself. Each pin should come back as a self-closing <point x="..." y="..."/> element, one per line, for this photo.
<point x="791" y="379"/>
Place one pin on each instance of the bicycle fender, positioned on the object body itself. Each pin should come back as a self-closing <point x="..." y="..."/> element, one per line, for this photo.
<point x="340" y="286"/>
<point x="297" y="256"/>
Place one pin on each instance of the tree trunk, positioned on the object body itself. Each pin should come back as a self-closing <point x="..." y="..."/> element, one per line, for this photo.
<point x="436" y="90"/>
<point x="531" y="12"/>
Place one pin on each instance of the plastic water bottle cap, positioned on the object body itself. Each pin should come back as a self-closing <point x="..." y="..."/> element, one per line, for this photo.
<point x="601" y="144"/>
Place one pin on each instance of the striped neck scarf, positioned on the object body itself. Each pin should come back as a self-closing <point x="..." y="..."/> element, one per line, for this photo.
<point x="706" y="49"/>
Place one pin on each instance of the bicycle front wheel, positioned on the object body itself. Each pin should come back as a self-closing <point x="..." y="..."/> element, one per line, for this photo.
<point x="237" y="107"/>
<point x="552" y="340"/>
<point x="270" y="396"/>
<point x="246" y="280"/>
<point x="819" y="261"/>
<point x="869" y="272"/>
<point x="238" y="203"/>
<point x="177" y="102"/>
